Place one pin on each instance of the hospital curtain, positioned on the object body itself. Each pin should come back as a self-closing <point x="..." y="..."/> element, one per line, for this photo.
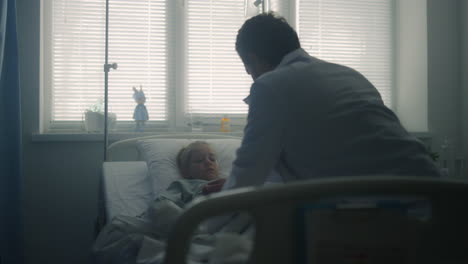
<point x="10" y="138"/>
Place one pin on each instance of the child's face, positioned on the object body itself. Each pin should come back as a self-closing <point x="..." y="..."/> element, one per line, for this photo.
<point x="202" y="164"/>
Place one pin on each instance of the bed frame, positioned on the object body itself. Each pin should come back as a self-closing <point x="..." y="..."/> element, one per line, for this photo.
<point x="275" y="208"/>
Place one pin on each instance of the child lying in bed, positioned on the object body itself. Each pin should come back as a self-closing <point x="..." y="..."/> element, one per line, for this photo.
<point x="200" y="174"/>
<point x="126" y="235"/>
<point x="197" y="161"/>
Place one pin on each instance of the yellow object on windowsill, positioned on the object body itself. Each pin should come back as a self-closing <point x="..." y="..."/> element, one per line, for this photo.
<point x="225" y="124"/>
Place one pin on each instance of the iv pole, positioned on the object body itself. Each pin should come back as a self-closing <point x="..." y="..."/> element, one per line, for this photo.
<point x="249" y="8"/>
<point x="263" y="3"/>
<point x="107" y="68"/>
<point x="101" y="219"/>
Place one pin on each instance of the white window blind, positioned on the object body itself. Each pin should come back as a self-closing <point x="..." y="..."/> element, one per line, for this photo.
<point x="216" y="80"/>
<point x="281" y="7"/>
<point x="354" y="33"/>
<point x="145" y="39"/>
<point x="138" y="42"/>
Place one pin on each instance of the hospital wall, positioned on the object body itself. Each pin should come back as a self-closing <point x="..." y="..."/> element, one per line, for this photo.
<point x="444" y="73"/>
<point x="464" y="80"/>
<point x="61" y="178"/>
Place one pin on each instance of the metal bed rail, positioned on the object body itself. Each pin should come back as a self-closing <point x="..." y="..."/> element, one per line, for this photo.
<point x="273" y="209"/>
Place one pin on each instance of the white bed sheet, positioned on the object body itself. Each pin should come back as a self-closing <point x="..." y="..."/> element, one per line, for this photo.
<point x="127" y="188"/>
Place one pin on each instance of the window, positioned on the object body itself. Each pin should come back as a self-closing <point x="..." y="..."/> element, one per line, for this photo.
<point x="138" y="42"/>
<point x="182" y="53"/>
<point x="216" y="78"/>
<point x="357" y="33"/>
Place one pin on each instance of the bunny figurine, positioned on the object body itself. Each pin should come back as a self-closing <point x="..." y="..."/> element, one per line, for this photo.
<point x="140" y="115"/>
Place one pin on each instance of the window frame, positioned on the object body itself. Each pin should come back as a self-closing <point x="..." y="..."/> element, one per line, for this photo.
<point x="176" y="83"/>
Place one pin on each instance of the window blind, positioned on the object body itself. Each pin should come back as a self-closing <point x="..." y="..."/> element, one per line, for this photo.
<point x="138" y="42"/>
<point x="282" y="8"/>
<point x="216" y="80"/>
<point x="142" y="41"/>
<point x="355" y="33"/>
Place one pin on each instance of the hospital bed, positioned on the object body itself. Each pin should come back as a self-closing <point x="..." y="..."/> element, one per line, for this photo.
<point x="293" y="222"/>
<point x="127" y="185"/>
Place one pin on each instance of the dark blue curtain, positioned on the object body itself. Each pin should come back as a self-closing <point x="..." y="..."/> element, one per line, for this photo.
<point x="10" y="138"/>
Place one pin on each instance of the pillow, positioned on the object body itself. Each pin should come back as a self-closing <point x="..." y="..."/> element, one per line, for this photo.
<point x="127" y="189"/>
<point x="160" y="156"/>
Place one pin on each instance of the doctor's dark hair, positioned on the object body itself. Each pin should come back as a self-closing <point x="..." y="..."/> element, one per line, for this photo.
<point x="268" y="36"/>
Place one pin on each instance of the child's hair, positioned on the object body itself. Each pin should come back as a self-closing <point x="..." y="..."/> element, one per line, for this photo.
<point x="185" y="153"/>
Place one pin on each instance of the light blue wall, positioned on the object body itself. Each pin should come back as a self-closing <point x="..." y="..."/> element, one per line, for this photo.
<point x="61" y="178"/>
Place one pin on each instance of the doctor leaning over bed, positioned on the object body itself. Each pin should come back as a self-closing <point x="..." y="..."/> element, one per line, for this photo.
<point x="310" y="118"/>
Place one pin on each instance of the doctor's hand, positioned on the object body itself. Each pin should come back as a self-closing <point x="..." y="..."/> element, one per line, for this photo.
<point x="214" y="186"/>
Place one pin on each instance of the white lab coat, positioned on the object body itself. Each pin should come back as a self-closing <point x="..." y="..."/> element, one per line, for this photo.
<point x="310" y="118"/>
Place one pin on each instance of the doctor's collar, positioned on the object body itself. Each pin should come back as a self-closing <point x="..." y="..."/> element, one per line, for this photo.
<point x="247" y="100"/>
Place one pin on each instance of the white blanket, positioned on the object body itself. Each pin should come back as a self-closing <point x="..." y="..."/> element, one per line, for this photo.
<point x="142" y="240"/>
